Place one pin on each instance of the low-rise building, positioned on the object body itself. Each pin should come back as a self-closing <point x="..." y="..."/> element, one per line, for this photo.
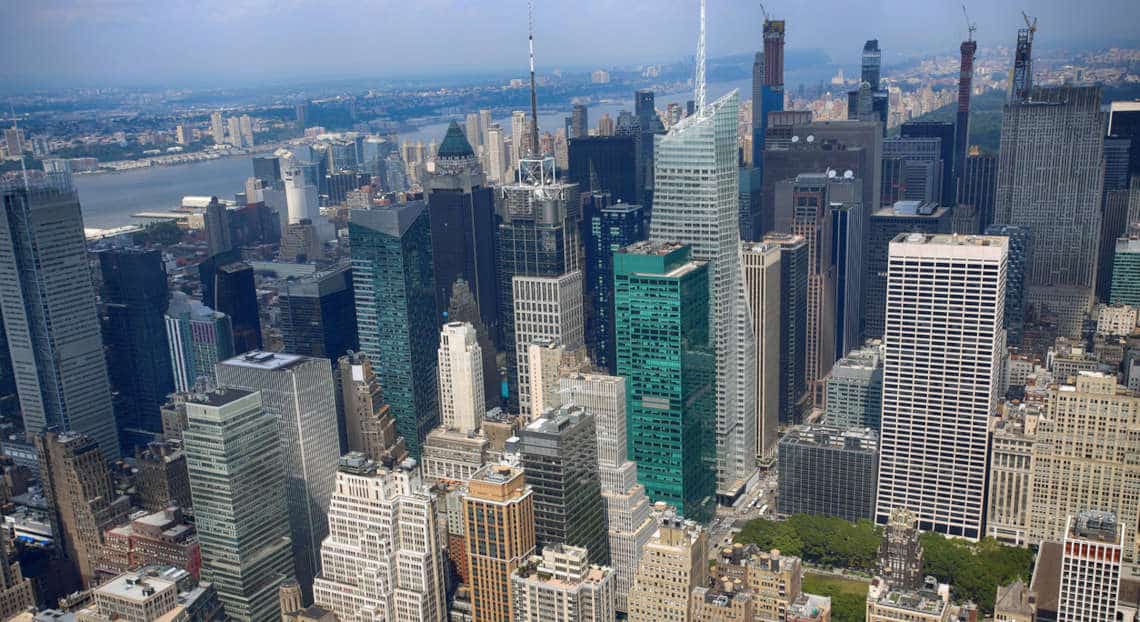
<point x="723" y="601"/>
<point x="1116" y="319"/>
<point x="152" y="594"/>
<point x="163" y="538"/>
<point x="931" y="603"/>
<point x="562" y="586"/>
<point x="453" y="456"/>
<point x="1011" y="455"/>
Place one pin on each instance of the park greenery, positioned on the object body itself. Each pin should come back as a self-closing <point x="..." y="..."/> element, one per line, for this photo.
<point x="973" y="570"/>
<point x="848" y="596"/>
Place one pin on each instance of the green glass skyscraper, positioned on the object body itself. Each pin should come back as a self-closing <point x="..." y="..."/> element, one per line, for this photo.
<point x="661" y="301"/>
<point x="395" y="297"/>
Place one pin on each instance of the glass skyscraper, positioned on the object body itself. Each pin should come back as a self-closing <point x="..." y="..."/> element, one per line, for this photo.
<point x="48" y="304"/>
<point x="665" y="352"/>
<point x="696" y="203"/>
<point x="611" y="227"/>
<point x="199" y="337"/>
<point x="395" y="291"/>
<point x="610" y="161"/>
<point x="318" y="316"/>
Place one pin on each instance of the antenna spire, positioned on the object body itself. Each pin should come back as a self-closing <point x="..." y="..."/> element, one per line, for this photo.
<point x="533" y="93"/>
<point x="23" y="166"/>
<point x="699" y="82"/>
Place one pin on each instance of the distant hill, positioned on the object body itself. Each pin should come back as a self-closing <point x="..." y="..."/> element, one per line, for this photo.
<point x="986" y="109"/>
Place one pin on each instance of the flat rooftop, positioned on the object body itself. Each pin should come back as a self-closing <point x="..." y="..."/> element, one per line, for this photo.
<point x="258" y="359"/>
<point x="647" y="247"/>
<point x="217" y="397"/>
<point x="134" y="586"/>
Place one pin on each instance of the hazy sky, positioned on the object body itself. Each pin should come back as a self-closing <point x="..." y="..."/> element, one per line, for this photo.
<point x="94" y="42"/>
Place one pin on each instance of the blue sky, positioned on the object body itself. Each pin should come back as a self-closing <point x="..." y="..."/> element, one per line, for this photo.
<point x="94" y="42"/>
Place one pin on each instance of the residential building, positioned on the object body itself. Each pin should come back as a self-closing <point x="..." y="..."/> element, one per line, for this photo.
<point x="940" y="379"/>
<point x="393" y="284"/>
<point x="382" y="558"/>
<point x="794" y="400"/>
<point x="135" y="296"/>
<point x="498" y="518"/>
<point x="544" y="308"/>
<point x="1049" y="180"/>
<point x="1090" y="567"/>
<point x="81" y="498"/>
<point x="461" y="401"/>
<point x="762" y="277"/>
<point x="461" y="206"/>
<point x="370" y="427"/>
<point x="628" y="520"/>
<point x="828" y="470"/>
<point x="673" y="564"/>
<point x="237" y="480"/>
<point x="1083" y="457"/>
<point x="659" y="291"/>
<point x="854" y="389"/>
<point x="1118" y="320"/>
<point x="199" y="338"/>
<point x="885" y="225"/>
<point x="56" y="347"/>
<point x="300" y="394"/>
<point x="317" y="314"/>
<point x="562" y="585"/>
<point x="560" y="458"/>
<point x="698" y="149"/>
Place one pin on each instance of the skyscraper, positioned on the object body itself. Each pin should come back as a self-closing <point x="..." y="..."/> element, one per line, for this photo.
<point x="472" y="131"/>
<point x="674" y="562"/>
<point x="940" y="378"/>
<point x="978" y="184"/>
<point x="382" y="558"/>
<point x="217" y="129"/>
<point x="464" y="308"/>
<point x="317" y="314"/>
<point x="369" y="425"/>
<point x="237" y="481"/>
<point x="498" y="520"/>
<point x="962" y="124"/>
<point x="944" y="132"/>
<point x="794" y="399"/>
<point x="1049" y="180"/>
<point x="700" y="148"/>
<point x="560" y="457"/>
<point x="649" y="125"/>
<point x="628" y="519"/>
<point x="762" y="276"/>
<point x="228" y="286"/>
<point x="1019" y="249"/>
<point x="199" y="338"/>
<point x="870" y="102"/>
<point x="135" y="299"/>
<point x="548" y="308"/>
<point x="611" y="228"/>
<point x="461" y="207"/>
<point x="828" y="470"/>
<point x="300" y="394"/>
<point x="608" y="162"/>
<point x="579" y="121"/>
<point x="47" y="301"/>
<point x="659" y="292"/>
<point x="855" y="389"/>
<point x="81" y="498"/>
<point x="1126" y="271"/>
<point x="1021" y="76"/>
<point x="393" y="283"/>
<point x="1090" y="568"/>
<point x="912" y="170"/>
<point x="461" y="400"/>
<point x="768" y="95"/>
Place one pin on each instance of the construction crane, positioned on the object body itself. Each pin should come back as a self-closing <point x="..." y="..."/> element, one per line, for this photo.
<point x="1032" y="26"/>
<point x="970" y="26"/>
<point x="763" y="10"/>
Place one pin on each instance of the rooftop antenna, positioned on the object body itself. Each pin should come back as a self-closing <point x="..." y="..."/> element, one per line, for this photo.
<point x="23" y="166"/>
<point x="533" y="94"/>
<point x="970" y="26"/>
<point x="699" y="98"/>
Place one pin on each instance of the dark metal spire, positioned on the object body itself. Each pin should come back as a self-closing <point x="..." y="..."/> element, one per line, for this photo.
<point x="533" y="94"/>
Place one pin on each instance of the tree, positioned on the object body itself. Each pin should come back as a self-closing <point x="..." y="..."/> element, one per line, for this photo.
<point x="163" y="233"/>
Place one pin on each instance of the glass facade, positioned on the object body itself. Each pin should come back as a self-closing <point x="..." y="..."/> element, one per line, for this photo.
<point x="318" y="317"/>
<point x="664" y="351"/>
<point x="828" y="470"/>
<point x="610" y="228"/>
<point x="393" y="283"/>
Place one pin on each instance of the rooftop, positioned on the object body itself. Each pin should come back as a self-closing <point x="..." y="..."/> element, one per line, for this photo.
<point x="916" y="209"/>
<point x="835" y="437"/>
<point x="1095" y="525"/>
<point x="647" y="247"/>
<point x="258" y="359"/>
<point x="134" y="586"/>
<point x="219" y="396"/>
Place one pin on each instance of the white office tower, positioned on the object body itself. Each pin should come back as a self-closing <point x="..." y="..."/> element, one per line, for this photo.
<point x="301" y="196"/>
<point x="461" y="399"/>
<point x="299" y="392"/>
<point x="545" y="308"/>
<point x="473" y="132"/>
<point x="493" y="160"/>
<point x="562" y="586"/>
<point x="383" y="559"/>
<point x="1090" y="568"/>
<point x="519" y="137"/>
<point x="629" y="521"/>
<point x="233" y="460"/>
<point x="762" y="284"/>
<point x="695" y="202"/>
<point x="944" y="346"/>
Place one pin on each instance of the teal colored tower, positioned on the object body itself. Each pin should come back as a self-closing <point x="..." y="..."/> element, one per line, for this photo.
<point x="1125" y="288"/>
<point x="661" y="304"/>
<point x="394" y="289"/>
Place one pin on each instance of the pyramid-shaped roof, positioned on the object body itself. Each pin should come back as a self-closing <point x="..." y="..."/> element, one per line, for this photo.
<point x="455" y="144"/>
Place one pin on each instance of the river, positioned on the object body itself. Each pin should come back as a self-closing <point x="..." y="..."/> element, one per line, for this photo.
<point x="109" y="199"/>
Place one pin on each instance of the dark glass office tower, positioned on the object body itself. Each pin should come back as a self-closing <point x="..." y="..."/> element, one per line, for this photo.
<point x="228" y="286"/>
<point x="135" y="299"/>
<point x="794" y="398"/>
<point x="579" y="122"/>
<point x="1114" y="208"/>
<point x="48" y="304"/>
<point x="870" y="102"/>
<point x="395" y="291"/>
<point x="979" y="183"/>
<point x="560" y="456"/>
<point x="1018" y="260"/>
<point x="462" y="215"/>
<point x="828" y="471"/>
<point x="318" y="314"/>
<point x="268" y="170"/>
<point x="610" y="228"/>
<point x="945" y="132"/>
<point x="649" y="125"/>
<point x="610" y="161"/>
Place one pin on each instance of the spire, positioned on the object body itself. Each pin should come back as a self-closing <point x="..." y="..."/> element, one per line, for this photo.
<point x="533" y="94"/>
<point x="699" y="82"/>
